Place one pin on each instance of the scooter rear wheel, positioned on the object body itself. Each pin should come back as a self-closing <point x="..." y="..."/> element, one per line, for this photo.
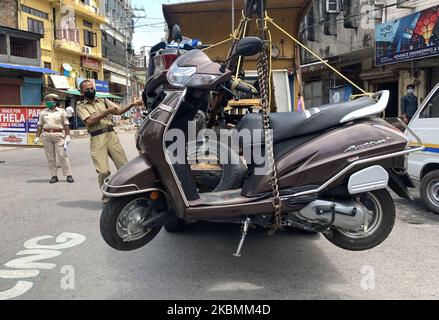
<point x="121" y="219"/>
<point x="382" y="209"/>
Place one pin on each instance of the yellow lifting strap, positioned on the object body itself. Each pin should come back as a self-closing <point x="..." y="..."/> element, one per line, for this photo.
<point x="364" y="93"/>
<point x="218" y="44"/>
<point x="233" y="36"/>
<point x="267" y="20"/>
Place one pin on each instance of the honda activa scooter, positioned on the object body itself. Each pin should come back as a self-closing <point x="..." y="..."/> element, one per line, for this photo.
<point x="334" y="164"/>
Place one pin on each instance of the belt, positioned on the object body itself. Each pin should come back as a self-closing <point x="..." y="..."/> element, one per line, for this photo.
<point x="52" y="130"/>
<point x="101" y="131"/>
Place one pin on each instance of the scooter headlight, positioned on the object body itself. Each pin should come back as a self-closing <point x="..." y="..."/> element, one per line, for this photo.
<point x="179" y="76"/>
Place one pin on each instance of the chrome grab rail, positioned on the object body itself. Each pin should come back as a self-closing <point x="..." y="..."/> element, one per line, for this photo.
<point x="352" y="165"/>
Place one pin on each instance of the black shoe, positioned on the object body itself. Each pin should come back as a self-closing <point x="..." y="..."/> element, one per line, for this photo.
<point x="70" y="179"/>
<point x="54" y="179"/>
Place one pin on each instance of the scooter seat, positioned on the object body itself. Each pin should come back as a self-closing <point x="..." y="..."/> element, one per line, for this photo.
<point x="287" y="125"/>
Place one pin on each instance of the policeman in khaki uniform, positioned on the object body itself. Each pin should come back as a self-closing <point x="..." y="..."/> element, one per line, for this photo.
<point x="51" y="123"/>
<point x="104" y="142"/>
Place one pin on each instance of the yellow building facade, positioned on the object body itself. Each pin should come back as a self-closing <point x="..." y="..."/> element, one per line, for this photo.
<point x="72" y="35"/>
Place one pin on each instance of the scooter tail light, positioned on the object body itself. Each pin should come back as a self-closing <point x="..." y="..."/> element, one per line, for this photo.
<point x="168" y="60"/>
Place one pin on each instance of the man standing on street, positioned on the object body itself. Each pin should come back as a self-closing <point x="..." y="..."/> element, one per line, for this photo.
<point x="104" y="142"/>
<point x="51" y="123"/>
<point x="409" y="104"/>
<point x="71" y="116"/>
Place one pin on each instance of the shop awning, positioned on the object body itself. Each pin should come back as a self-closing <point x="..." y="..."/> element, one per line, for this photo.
<point x="60" y="82"/>
<point x="73" y="92"/>
<point x="27" y="68"/>
<point x="107" y="95"/>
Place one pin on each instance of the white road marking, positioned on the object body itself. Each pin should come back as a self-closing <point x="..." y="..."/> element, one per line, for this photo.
<point x="20" y="288"/>
<point x="27" y="267"/>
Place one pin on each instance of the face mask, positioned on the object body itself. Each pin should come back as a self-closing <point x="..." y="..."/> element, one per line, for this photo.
<point x="90" y="94"/>
<point x="50" y="104"/>
<point x="410" y="91"/>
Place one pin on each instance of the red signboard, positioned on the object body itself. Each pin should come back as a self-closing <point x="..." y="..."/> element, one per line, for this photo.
<point x="18" y="124"/>
<point x="13" y="119"/>
<point x="91" y="63"/>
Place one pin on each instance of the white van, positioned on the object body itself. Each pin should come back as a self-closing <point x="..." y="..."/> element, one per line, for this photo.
<point x="424" y="166"/>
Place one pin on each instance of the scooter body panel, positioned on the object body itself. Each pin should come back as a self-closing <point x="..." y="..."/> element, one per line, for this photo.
<point x="316" y="161"/>
<point x="152" y="136"/>
<point x="135" y="177"/>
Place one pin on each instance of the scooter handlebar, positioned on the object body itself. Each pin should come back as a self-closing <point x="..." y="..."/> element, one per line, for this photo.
<point x="242" y="87"/>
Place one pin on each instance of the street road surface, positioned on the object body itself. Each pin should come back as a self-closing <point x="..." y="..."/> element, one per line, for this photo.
<point x="195" y="264"/>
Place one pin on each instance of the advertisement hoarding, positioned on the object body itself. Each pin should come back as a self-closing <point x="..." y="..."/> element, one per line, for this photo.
<point x="412" y="37"/>
<point x="18" y="124"/>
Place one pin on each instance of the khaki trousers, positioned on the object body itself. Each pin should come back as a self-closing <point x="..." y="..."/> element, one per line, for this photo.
<point x="104" y="146"/>
<point x="54" y="146"/>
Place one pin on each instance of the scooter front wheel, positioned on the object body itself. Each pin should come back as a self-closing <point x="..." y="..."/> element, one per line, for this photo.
<point x="380" y="221"/>
<point x="121" y="222"/>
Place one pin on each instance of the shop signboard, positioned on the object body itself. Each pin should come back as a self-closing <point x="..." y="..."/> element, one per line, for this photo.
<point x="102" y="86"/>
<point x="13" y="119"/>
<point x="18" y="124"/>
<point x="90" y="63"/>
<point x="60" y="82"/>
<point x="412" y="37"/>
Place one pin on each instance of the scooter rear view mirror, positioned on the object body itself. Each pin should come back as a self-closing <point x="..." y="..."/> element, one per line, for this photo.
<point x="176" y="34"/>
<point x="157" y="47"/>
<point x="247" y="47"/>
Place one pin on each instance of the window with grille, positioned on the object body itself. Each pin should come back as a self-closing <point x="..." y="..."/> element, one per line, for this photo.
<point x="35" y="12"/>
<point x="351" y="14"/>
<point x="105" y="52"/>
<point x="90" y="38"/>
<point x="35" y="26"/>
<point x="88" y="24"/>
<point x="89" y="74"/>
<point x="311" y="24"/>
<point x="25" y="48"/>
<point x="333" y="6"/>
<point x="3" y="44"/>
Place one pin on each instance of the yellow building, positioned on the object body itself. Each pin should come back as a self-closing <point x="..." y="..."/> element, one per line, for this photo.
<point x="72" y="35"/>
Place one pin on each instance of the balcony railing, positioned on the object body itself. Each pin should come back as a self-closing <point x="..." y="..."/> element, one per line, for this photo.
<point x="68" y="39"/>
<point x="86" y="6"/>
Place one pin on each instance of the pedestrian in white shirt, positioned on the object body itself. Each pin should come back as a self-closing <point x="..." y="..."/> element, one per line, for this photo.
<point x="71" y="116"/>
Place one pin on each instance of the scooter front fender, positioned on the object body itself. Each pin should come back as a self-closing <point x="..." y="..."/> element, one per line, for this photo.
<point x="136" y="177"/>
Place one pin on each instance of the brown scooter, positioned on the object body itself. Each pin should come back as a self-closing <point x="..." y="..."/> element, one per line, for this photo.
<point x="334" y="165"/>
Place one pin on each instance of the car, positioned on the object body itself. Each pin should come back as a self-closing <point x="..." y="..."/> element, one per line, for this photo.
<point x="424" y="166"/>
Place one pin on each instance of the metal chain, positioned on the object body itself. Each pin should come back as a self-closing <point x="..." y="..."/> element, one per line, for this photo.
<point x="264" y="85"/>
